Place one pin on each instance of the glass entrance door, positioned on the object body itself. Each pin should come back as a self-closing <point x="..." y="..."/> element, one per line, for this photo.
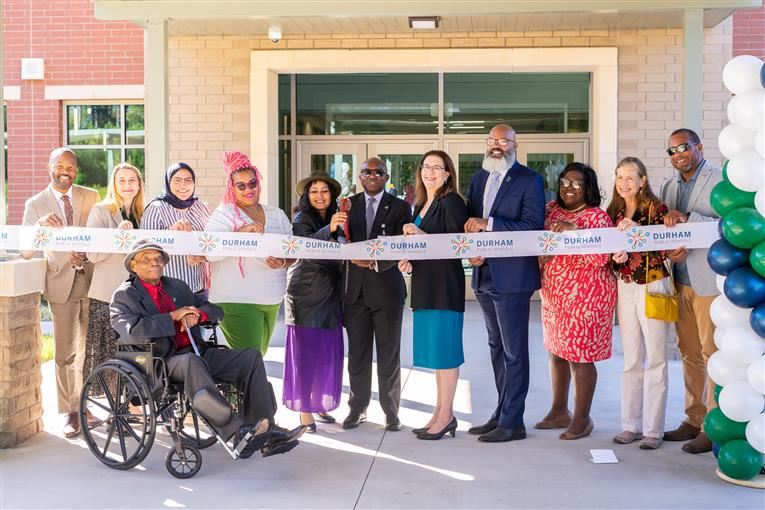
<point x="341" y="160"/>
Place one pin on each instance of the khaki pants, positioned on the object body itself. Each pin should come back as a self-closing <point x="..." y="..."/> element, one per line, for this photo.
<point x="70" y="325"/>
<point x="695" y="339"/>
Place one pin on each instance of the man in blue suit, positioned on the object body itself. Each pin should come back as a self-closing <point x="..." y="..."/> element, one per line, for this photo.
<point x="506" y="196"/>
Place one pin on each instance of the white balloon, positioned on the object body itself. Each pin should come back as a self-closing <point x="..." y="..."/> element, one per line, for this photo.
<point x="739" y="402"/>
<point x="742" y="74"/>
<point x="755" y="433"/>
<point x="755" y="374"/>
<point x="759" y="142"/>
<point x="750" y="109"/>
<point x="741" y="344"/>
<point x="725" y="314"/>
<point x="723" y="370"/>
<point x="720" y="281"/>
<point x="734" y="139"/>
<point x="746" y="171"/>
<point x="759" y="201"/>
<point x="731" y="110"/>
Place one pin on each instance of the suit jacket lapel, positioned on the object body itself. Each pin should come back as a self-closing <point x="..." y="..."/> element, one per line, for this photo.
<point x="428" y="215"/>
<point x="701" y="181"/>
<point x="507" y="183"/>
<point x="357" y="224"/>
<point x="52" y="204"/>
<point x="146" y="301"/>
<point x="480" y="188"/>
<point x="77" y="205"/>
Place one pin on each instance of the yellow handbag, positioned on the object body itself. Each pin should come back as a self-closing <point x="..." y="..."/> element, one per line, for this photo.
<point x="660" y="297"/>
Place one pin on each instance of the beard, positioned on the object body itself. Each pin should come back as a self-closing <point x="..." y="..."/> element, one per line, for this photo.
<point x="499" y="164"/>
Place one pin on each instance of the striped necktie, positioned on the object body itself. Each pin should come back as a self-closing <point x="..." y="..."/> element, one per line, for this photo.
<point x="68" y="211"/>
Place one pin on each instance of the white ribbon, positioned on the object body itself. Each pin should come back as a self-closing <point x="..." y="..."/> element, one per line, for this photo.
<point x="416" y="247"/>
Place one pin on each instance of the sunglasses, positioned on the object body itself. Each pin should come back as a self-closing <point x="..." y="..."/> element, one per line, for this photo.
<point x="566" y="183"/>
<point x="369" y="172"/>
<point x="678" y="148"/>
<point x="242" y="186"/>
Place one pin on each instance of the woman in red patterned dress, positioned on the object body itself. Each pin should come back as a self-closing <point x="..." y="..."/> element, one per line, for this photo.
<point x="578" y="298"/>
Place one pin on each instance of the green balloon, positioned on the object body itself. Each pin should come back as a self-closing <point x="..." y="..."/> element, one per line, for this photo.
<point x="725" y="171"/>
<point x="757" y="259"/>
<point x="725" y="197"/>
<point x="722" y="429"/>
<point x="739" y="460"/>
<point x="718" y="389"/>
<point x="744" y="228"/>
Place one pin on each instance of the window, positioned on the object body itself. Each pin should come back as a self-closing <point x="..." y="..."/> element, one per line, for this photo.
<point x="103" y="135"/>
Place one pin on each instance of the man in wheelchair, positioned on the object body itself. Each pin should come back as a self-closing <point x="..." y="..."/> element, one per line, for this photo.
<point x="151" y="308"/>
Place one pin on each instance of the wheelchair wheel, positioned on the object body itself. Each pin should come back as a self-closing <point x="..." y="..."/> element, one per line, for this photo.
<point x="186" y="464"/>
<point x="195" y="432"/>
<point x="117" y="396"/>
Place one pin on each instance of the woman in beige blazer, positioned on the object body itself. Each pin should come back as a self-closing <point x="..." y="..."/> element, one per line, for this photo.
<point x="122" y="208"/>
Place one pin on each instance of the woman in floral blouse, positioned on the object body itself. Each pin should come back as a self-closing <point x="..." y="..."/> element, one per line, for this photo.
<point x="644" y="388"/>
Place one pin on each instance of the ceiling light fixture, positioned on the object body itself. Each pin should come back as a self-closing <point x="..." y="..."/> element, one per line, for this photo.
<point x="424" y="22"/>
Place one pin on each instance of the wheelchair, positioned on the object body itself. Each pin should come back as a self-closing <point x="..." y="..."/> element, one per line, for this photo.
<point x="130" y="395"/>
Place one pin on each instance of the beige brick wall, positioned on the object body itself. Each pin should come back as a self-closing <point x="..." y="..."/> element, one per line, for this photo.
<point x="209" y="87"/>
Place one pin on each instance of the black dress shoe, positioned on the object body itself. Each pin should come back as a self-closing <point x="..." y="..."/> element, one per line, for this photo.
<point x="282" y="435"/>
<point x="354" y="419"/>
<point x="251" y="438"/>
<point x="501" y="434"/>
<point x="483" y="429"/>
<point x="451" y="428"/>
<point x="393" y="424"/>
<point x="279" y="448"/>
<point x="326" y="418"/>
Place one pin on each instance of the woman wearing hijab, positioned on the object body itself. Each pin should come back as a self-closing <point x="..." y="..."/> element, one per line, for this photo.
<point x="313" y="362"/>
<point x="250" y="290"/>
<point x="176" y="208"/>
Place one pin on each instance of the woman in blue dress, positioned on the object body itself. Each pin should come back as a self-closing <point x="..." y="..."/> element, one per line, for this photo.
<point x="438" y="287"/>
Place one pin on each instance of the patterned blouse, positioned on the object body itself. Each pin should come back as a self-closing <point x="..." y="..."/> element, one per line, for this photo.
<point x="634" y="269"/>
<point x="159" y="215"/>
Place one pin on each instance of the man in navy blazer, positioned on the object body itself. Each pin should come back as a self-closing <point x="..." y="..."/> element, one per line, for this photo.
<point x="506" y="196"/>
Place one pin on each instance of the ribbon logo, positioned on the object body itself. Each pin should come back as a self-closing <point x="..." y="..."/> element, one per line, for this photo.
<point x="461" y="244"/>
<point x="42" y="238"/>
<point x="636" y="237"/>
<point x="548" y="241"/>
<point x="208" y="242"/>
<point x="290" y="245"/>
<point x="375" y="247"/>
<point x="123" y="239"/>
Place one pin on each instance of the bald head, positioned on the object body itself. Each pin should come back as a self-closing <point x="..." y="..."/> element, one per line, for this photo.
<point x="57" y="153"/>
<point x="502" y="131"/>
<point x="373" y="175"/>
<point x="374" y="162"/>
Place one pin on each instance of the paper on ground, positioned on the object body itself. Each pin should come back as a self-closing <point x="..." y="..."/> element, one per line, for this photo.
<point x="603" y="457"/>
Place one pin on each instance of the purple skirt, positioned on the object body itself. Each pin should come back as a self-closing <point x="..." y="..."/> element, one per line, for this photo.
<point x="313" y="369"/>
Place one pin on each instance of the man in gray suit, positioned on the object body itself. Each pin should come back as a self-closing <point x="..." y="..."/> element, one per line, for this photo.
<point x="686" y="193"/>
<point x="67" y="278"/>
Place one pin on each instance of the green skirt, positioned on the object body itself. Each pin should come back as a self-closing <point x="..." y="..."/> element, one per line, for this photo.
<point x="247" y="325"/>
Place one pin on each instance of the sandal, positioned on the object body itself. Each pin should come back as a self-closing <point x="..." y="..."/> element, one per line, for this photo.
<point x="568" y="436"/>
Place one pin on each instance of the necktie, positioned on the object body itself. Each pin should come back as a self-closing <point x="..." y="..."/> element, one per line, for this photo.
<point x="68" y="211"/>
<point x="165" y="305"/>
<point x="492" y="187"/>
<point x="370" y="216"/>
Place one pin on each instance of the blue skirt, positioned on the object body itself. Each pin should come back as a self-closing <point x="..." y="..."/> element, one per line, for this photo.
<point x="438" y="339"/>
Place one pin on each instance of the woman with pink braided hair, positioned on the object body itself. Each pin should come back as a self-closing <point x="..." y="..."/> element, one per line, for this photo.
<point x="250" y="290"/>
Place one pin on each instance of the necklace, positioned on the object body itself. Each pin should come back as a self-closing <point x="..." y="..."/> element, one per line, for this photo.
<point x="580" y="208"/>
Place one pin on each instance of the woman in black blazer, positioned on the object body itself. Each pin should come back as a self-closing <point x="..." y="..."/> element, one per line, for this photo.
<point x="438" y="287"/>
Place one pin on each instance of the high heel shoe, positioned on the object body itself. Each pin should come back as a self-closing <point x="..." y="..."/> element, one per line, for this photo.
<point x="311" y="426"/>
<point x="326" y="417"/>
<point x="451" y="428"/>
<point x="419" y="430"/>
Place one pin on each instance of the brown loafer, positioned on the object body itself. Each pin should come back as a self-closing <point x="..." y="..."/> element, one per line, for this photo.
<point x="700" y="444"/>
<point x="558" y="423"/>
<point x="684" y="432"/>
<point x="72" y="426"/>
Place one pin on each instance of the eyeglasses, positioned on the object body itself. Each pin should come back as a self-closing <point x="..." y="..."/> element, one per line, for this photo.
<point x="435" y="168"/>
<point x="369" y="172"/>
<point x="241" y="186"/>
<point x="499" y="141"/>
<point x="178" y="181"/>
<point x="678" y="148"/>
<point x="567" y="183"/>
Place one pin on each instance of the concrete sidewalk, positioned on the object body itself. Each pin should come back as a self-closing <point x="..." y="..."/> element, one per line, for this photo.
<point x="371" y="468"/>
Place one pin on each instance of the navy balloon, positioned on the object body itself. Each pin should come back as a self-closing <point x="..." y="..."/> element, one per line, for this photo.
<point x="723" y="257"/>
<point x="744" y="287"/>
<point x="762" y="76"/>
<point x="720" y="229"/>
<point x="716" y="449"/>
<point x="757" y="320"/>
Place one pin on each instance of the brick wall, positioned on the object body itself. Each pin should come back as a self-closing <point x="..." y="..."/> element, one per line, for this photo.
<point x="209" y="86"/>
<point x="749" y="32"/>
<point x="78" y="50"/>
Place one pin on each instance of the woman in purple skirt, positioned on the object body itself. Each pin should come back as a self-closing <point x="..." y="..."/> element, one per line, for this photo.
<point x="313" y="364"/>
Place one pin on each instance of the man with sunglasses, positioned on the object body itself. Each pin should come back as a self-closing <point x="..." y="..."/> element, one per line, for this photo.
<point x="687" y="194"/>
<point x="506" y="196"/>
<point x="373" y="299"/>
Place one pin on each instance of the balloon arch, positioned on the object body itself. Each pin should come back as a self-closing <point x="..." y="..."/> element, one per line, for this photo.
<point x="737" y="427"/>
